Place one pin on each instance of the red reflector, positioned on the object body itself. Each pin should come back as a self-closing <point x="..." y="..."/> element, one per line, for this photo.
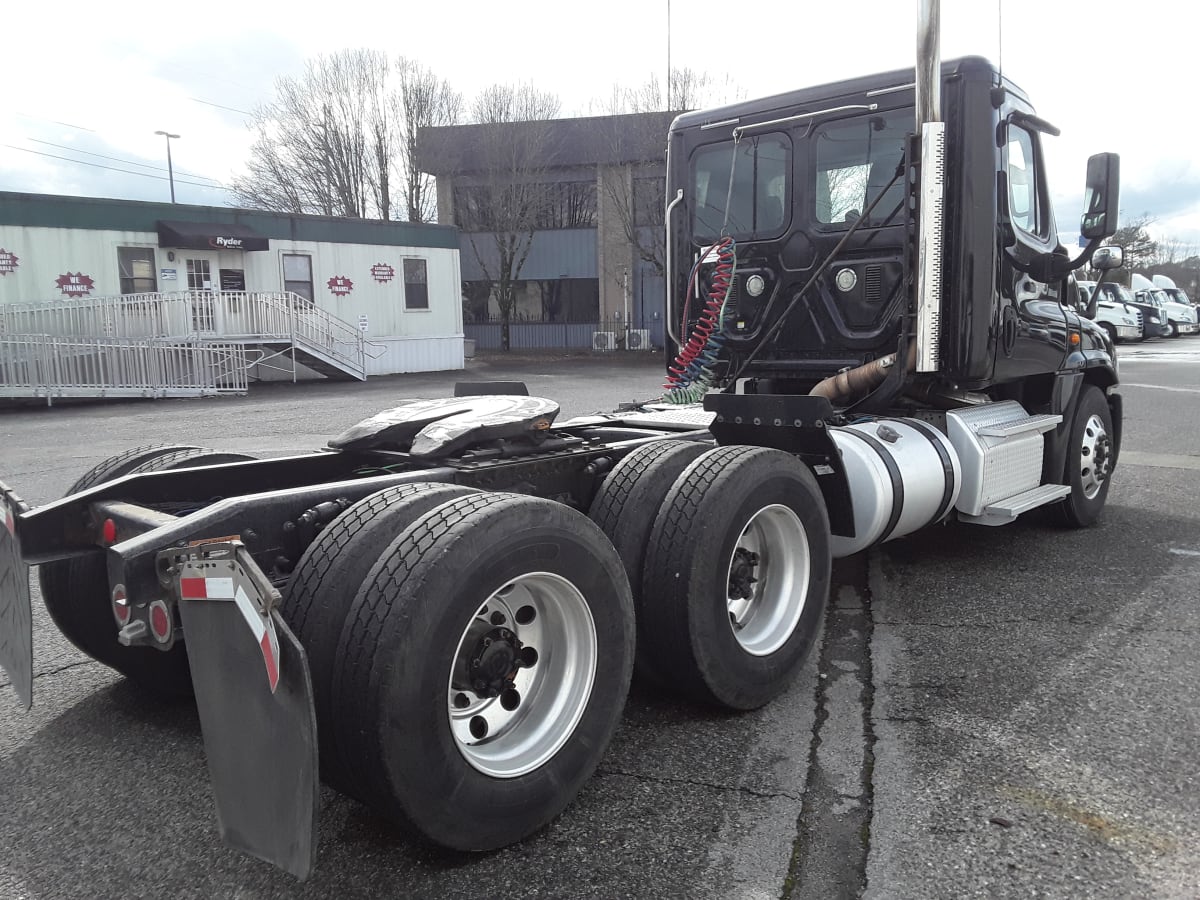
<point x="109" y="531"/>
<point x="160" y="621"/>
<point x="120" y="606"/>
<point x="193" y="588"/>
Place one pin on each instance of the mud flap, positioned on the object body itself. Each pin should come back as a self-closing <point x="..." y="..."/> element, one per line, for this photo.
<point x="255" y="699"/>
<point x="16" y="614"/>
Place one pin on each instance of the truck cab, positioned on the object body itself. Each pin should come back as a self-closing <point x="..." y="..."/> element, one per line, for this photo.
<point x="807" y="185"/>
<point x="1180" y="317"/>
<point x="1119" y="320"/>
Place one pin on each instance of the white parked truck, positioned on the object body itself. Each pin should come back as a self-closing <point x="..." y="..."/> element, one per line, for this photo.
<point x="440" y="613"/>
<point x="1181" y="317"/>
<point x="1175" y="293"/>
<point x="1119" y="320"/>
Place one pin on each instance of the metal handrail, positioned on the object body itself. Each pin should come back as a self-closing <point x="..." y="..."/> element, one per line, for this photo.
<point x="198" y="316"/>
<point x="53" y="366"/>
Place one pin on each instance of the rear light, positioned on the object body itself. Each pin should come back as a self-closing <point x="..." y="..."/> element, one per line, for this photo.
<point x="160" y="621"/>
<point x="108" y="531"/>
<point x="120" y="606"/>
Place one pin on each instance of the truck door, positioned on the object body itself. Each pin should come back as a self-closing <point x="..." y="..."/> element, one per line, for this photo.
<point x="1031" y="323"/>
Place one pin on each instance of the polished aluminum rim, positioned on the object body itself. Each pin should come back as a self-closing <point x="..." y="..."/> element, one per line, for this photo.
<point x="536" y="640"/>
<point x="1093" y="457"/>
<point x="768" y="578"/>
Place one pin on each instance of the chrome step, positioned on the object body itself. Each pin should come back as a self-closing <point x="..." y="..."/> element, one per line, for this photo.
<point x="1038" y="424"/>
<point x="1005" y="511"/>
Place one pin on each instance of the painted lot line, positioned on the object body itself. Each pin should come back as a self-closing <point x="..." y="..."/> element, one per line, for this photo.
<point x="1159" y="460"/>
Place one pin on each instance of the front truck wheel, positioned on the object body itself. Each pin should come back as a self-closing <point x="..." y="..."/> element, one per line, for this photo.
<point x="737" y="576"/>
<point x="75" y="590"/>
<point x="1089" y="461"/>
<point x="483" y="669"/>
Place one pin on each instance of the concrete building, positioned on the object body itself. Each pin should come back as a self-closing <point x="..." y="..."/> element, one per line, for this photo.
<point x="395" y="283"/>
<point x="590" y="247"/>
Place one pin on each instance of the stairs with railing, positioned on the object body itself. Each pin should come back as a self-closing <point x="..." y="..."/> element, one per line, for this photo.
<point x="200" y="342"/>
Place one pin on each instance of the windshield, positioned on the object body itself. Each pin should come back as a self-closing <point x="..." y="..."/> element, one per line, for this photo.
<point x="856" y="159"/>
<point x="1162" y="298"/>
<point x="1115" y="293"/>
<point x="761" y="195"/>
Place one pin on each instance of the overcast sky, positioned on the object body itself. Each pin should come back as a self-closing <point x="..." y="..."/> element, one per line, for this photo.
<point x="103" y="78"/>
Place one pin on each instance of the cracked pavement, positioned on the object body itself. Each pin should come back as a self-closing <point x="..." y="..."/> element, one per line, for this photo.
<point x="1020" y="718"/>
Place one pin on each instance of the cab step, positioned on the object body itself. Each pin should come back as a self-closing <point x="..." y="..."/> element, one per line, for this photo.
<point x="1005" y="511"/>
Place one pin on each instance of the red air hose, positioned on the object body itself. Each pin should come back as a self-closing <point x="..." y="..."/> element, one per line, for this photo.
<point x="693" y="364"/>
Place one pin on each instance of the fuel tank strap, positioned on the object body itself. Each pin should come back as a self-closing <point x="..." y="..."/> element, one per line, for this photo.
<point x="893" y="473"/>
<point x="935" y="438"/>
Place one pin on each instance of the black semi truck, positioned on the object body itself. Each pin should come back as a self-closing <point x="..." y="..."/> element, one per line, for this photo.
<point x="875" y="330"/>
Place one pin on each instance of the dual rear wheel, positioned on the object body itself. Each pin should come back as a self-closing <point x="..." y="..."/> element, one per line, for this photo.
<point x="471" y="651"/>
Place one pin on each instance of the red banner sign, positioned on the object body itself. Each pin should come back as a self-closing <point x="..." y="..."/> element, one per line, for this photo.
<point x="382" y="272"/>
<point x="8" y="261"/>
<point x="340" y="285"/>
<point x="75" y="285"/>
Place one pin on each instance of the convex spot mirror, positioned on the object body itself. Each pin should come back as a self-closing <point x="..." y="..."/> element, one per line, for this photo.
<point x="1106" y="258"/>
<point x="1101" y="196"/>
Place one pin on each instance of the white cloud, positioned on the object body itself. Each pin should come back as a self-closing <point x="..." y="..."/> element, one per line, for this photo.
<point x="1112" y="76"/>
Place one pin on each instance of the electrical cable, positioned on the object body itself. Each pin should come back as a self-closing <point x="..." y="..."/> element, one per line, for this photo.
<point x="128" y="162"/>
<point x="83" y="162"/>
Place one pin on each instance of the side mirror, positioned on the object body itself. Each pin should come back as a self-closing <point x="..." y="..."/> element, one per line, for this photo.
<point x="1101" y="196"/>
<point x="1106" y="258"/>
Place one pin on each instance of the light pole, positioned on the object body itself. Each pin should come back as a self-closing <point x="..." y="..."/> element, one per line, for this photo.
<point x="170" y="168"/>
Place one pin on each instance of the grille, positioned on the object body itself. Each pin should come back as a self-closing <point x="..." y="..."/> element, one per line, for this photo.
<point x="873" y="283"/>
<point x="1140" y="322"/>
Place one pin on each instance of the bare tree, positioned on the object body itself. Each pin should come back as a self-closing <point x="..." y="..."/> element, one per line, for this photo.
<point x="1140" y="248"/>
<point x="513" y="146"/>
<point x="689" y="90"/>
<point x="320" y="144"/>
<point x="338" y="139"/>
<point x="423" y="100"/>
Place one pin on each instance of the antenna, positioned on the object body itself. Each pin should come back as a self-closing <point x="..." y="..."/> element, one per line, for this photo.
<point x="1000" y="34"/>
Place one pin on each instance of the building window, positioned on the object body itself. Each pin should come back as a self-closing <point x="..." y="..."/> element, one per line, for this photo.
<point x="649" y="200"/>
<point x="297" y="275"/>
<point x="136" y="265"/>
<point x="416" y="284"/>
<point x="570" y="204"/>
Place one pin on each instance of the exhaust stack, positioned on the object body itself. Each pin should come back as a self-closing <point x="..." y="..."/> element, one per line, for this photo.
<point x="933" y="169"/>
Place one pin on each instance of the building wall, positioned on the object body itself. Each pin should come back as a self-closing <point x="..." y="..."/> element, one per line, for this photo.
<point x="403" y="340"/>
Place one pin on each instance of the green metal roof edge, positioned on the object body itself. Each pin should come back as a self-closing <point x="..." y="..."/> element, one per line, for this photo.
<point x="55" y="211"/>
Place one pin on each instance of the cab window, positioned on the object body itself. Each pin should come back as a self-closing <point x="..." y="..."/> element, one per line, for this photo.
<point x="1026" y="208"/>
<point x="757" y="204"/>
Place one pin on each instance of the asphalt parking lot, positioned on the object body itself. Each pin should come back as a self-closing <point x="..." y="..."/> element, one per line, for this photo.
<point x="994" y="712"/>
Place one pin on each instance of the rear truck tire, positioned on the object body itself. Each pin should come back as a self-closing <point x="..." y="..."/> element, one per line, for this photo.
<point x="1089" y="461"/>
<point x="75" y="590"/>
<point x="737" y="576"/>
<point x="625" y="507"/>
<point x="483" y="669"/>
<point x="322" y="587"/>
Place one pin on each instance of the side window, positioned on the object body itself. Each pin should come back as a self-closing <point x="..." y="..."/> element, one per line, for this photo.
<point x="1025" y="206"/>
<point x="416" y="284"/>
<point x="136" y="265"/>
<point x="297" y="275"/>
